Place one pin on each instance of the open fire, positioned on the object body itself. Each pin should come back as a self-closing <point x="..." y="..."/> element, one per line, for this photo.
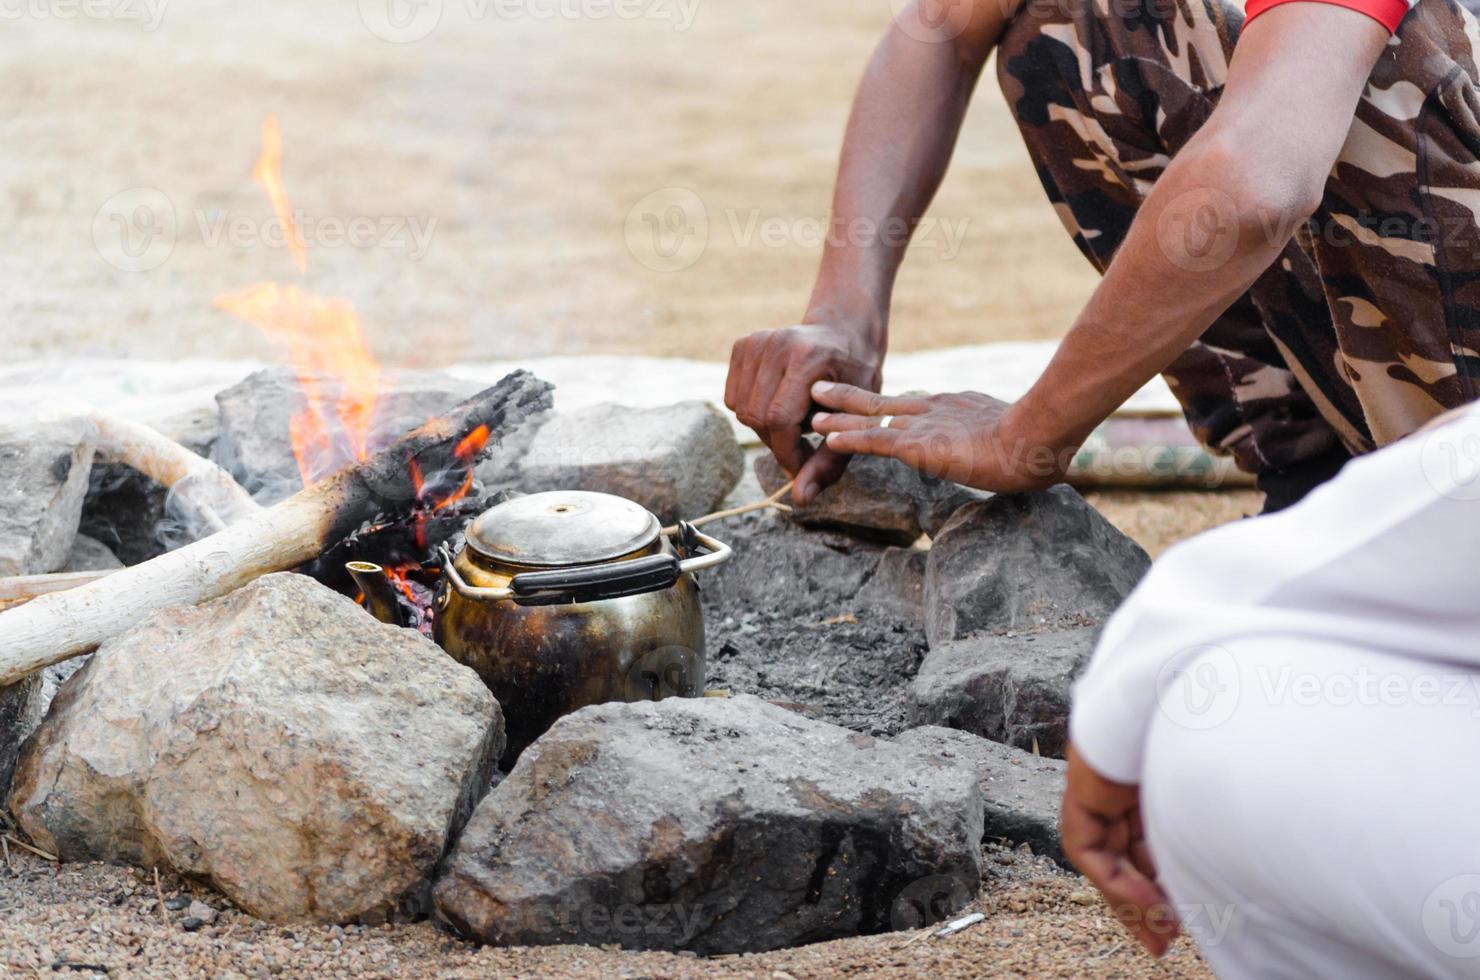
<point x="341" y="381"/>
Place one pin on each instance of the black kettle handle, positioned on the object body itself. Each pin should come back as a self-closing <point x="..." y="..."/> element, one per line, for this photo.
<point x="593" y="583"/>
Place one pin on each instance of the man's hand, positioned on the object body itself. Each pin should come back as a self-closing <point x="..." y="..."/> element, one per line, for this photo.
<point x="770" y="389"/>
<point x="967" y="437"/>
<point x="1101" y="830"/>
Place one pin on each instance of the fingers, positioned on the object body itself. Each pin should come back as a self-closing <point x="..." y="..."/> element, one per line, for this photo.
<point x="861" y="401"/>
<point x="820" y="471"/>
<point x="1103" y="850"/>
<point x="872" y="441"/>
<point x="826" y="422"/>
<point x="783" y="418"/>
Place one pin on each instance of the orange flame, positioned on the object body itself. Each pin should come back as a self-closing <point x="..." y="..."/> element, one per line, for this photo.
<point x="322" y="338"/>
<point x="269" y="173"/>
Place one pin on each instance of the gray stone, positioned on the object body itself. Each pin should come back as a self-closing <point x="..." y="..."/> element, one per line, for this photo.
<point x="898" y="584"/>
<point x="1021" y="562"/>
<point x="44" y="468"/>
<point x="711" y="825"/>
<point x="877" y="497"/>
<point x="128" y="512"/>
<point x="277" y="743"/>
<point x="255" y="444"/>
<point x="21" y="708"/>
<point x="679" y="461"/>
<point x="777" y="565"/>
<point x="1012" y="688"/>
<point x="789" y="618"/>
<point x="200" y="910"/>
<point x="1023" y="792"/>
<point x="91" y="555"/>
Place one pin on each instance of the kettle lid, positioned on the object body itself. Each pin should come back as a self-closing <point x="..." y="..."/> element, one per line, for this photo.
<point x="563" y="527"/>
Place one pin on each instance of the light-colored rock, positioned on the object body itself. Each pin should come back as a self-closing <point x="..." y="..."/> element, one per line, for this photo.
<point x="1023" y="792"/>
<point x="877" y="497"/>
<point x="712" y="825"/>
<point x="1012" y="688"/>
<point x="679" y="461"/>
<point x="91" y="555"/>
<point x="1024" y="562"/>
<point x="279" y="743"/>
<point x="44" y="469"/>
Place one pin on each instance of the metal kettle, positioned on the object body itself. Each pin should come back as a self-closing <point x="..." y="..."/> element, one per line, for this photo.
<point x="565" y="599"/>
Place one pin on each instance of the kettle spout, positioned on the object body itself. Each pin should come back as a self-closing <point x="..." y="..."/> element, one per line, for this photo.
<point x="380" y="595"/>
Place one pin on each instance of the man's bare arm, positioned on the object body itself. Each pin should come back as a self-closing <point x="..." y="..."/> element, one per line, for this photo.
<point x="1255" y="170"/>
<point x="900" y="137"/>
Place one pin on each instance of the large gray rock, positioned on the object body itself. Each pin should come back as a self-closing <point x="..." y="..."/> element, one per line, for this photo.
<point x="791" y="617"/>
<point x="44" y="469"/>
<point x="128" y="512"/>
<point x="1023" y="792"/>
<point x="1021" y="562"/>
<point x="255" y="444"/>
<point x="91" y="555"/>
<point x="1012" y="688"/>
<point x="877" y="497"/>
<point x="898" y="584"/>
<point x="279" y="743"/>
<point x="708" y="825"/>
<point x="679" y="461"/>
<point x="777" y="565"/>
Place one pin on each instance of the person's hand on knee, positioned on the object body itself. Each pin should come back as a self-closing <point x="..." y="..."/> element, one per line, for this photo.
<point x="1101" y="829"/>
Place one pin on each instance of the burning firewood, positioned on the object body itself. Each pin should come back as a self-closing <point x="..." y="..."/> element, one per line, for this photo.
<point x="66" y="624"/>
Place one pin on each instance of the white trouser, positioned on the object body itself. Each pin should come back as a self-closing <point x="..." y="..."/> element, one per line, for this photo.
<point x="1299" y="698"/>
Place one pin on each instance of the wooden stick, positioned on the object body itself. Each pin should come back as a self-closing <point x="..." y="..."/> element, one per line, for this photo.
<point x="24" y="588"/>
<point x="62" y="625"/>
<point x="203" y="493"/>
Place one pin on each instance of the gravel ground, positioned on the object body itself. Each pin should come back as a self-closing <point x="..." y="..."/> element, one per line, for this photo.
<point x="95" y="920"/>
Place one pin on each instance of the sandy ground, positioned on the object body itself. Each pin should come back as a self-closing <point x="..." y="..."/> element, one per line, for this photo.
<point x="83" y="920"/>
<point x="517" y="181"/>
<point x="525" y="140"/>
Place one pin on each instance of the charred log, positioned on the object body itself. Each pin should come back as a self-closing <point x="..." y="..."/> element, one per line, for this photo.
<point x="61" y="625"/>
